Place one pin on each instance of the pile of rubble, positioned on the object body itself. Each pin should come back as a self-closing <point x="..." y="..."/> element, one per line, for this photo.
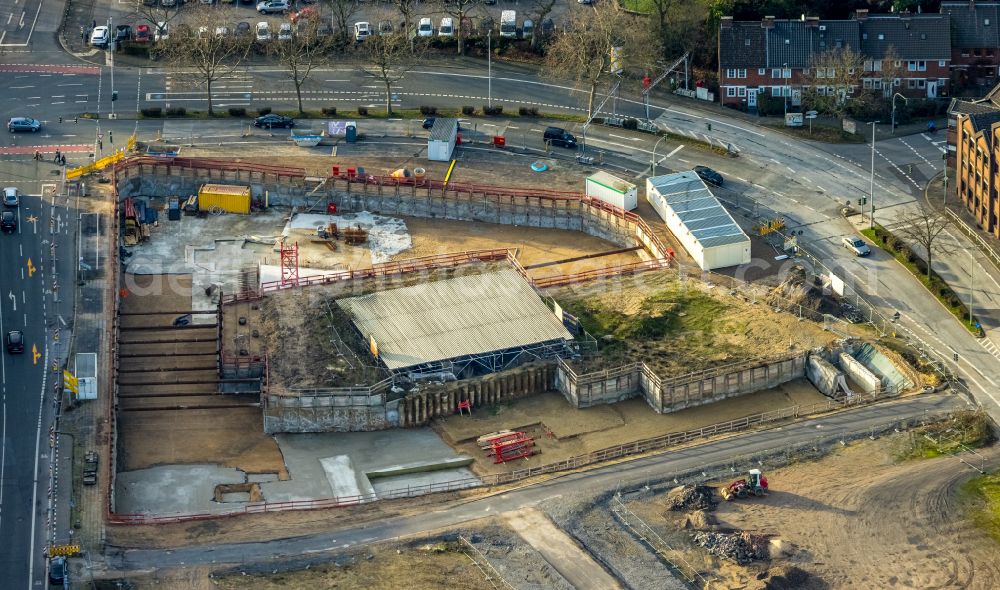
<point x="742" y="548"/>
<point x="691" y="498"/>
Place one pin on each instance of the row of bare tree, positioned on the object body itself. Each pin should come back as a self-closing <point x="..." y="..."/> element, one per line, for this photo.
<point x="583" y="51"/>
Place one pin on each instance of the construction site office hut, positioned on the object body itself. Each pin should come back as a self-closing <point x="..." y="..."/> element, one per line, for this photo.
<point x="461" y="327"/>
<point x="692" y="213"/>
<point x="442" y="139"/>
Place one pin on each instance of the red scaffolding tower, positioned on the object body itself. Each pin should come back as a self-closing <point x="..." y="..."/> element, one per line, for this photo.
<point x="289" y="265"/>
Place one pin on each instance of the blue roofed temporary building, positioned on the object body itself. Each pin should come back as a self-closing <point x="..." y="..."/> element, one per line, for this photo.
<point x="699" y="221"/>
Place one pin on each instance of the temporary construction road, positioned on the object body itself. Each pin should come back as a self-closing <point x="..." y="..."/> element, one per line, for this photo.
<point x="579" y="484"/>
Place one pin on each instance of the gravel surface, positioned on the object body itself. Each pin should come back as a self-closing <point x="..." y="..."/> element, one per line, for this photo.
<point x="593" y="526"/>
<point x="515" y="560"/>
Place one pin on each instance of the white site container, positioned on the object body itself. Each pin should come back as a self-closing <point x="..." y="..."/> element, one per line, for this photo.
<point x="85" y="371"/>
<point x="442" y="139"/>
<point x="611" y="189"/>
<point x="698" y="220"/>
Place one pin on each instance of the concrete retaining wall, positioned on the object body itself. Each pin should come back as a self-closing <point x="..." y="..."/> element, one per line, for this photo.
<point x="822" y="375"/>
<point x="325" y="413"/>
<point x="522" y="210"/>
<point x="699" y="390"/>
<point x="893" y="380"/>
<point x="606" y="387"/>
<point x="161" y="181"/>
<point x="858" y="373"/>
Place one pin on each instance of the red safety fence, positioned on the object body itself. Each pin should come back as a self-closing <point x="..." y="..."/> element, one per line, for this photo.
<point x="601" y="273"/>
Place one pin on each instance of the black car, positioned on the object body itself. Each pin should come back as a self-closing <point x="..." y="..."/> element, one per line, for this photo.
<point x="708" y="175"/>
<point x="57" y="570"/>
<point x="8" y="221"/>
<point x="559" y="137"/>
<point x="272" y="120"/>
<point x="123" y="33"/>
<point x="15" y="342"/>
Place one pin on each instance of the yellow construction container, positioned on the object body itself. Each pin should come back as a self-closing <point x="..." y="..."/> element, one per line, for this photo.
<point x="228" y="197"/>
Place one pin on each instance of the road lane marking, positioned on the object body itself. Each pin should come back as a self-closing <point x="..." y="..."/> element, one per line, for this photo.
<point x="31" y="268"/>
<point x="676" y="149"/>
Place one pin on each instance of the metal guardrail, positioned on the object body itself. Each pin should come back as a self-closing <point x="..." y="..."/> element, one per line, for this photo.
<point x="991" y="254"/>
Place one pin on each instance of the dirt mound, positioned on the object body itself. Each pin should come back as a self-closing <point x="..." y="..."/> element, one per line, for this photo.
<point x="741" y="548"/>
<point x="797" y="289"/>
<point x="699" y="519"/>
<point x="690" y="498"/>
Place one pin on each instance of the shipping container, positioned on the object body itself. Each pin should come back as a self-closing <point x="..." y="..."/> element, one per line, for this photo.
<point x="614" y="190"/>
<point x="228" y="197"/>
<point x="442" y="139"/>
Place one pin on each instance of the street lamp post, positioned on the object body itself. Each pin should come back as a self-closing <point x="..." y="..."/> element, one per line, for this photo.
<point x="905" y="101"/>
<point x="944" y="191"/>
<point x="653" y="163"/>
<point x="972" y="284"/>
<point x="111" y="44"/>
<point x="871" y="186"/>
<point x="489" y="67"/>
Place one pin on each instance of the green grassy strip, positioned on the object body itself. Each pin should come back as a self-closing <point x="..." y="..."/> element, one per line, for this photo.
<point x="983" y="493"/>
<point x="935" y="284"/>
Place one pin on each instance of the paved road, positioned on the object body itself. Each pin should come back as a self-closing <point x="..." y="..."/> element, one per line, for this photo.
<point x="27" y="304"/>
<point x="594" y="482"/>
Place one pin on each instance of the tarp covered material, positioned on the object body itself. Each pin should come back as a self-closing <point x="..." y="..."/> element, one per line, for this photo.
<point x="454" y="318"/>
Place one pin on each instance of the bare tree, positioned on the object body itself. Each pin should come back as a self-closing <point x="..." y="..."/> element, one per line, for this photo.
<point x="198" y="47"/>
<point x="406" y="9"/>
<point x="157" y="13"/>
<point x="539" y="10"/>
<point x="922" y="227"/>
<point x="341" y="13"/>
<point x="388" y="59"/>
<point x="834" y="76"/>
<point x="890" y="69"/>
<point x="303" y="53"/>
<point x="459" y="10"/>
<point x="585" y="51"/>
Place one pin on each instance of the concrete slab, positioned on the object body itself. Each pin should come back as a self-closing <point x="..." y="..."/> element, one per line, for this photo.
<point x="173" y="489"/>
<point x="342" y="477"/>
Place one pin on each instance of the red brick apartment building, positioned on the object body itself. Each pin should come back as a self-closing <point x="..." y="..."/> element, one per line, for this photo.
<point x="774" y="56"/>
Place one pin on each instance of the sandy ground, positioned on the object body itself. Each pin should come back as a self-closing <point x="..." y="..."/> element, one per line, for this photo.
<point x="705" y="326"/>
<point x="561" y="432"/>
<point x="857" y="519"/>
<point x="232" y="437"/>
<point x="533" y="245"/>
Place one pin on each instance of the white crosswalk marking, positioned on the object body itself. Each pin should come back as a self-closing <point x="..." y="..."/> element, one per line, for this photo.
<point x="990" y="347"/>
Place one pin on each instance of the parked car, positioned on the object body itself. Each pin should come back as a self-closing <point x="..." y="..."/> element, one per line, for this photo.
<point x="548" y="26"/>
<point x="57" y="567"/>
<point x="384" y="27"/>
<point x="425" y="28"/>
<point x="23" y="124"/>
<point x="242" y="28"/>
<point x="362" y="30"/>
<point x="708" y="175"/>
<point x="285" y="32"/>
<point x="221" y="31"/>
<point x="263" y="31"/>
<point x="429" y="122"/>
<point x="162" y="32"/>
<point x="527" y="29"/>
<point x="271" y="120"/>
<point x="100" y="36"/>
<point x="306" y="13"/>
<point x="447" y="27"/>
<point x="11" y="197"/>
<point x="558" y="136"/>
<point x="272" y="7"/>
<point x="856" y="245"/>
<point x="8" y="222"/>
<point x="167" y="3"/>
<point x="142" y="33"/>
<point x="123" y="33"/>
<point x="202" y="32"/>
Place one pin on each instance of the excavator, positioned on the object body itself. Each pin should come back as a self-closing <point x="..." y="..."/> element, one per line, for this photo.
<point x="755" y="484"/>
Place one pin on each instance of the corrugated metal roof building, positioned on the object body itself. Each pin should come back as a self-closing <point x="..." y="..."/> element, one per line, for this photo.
<point x="493" y="319"/>
<point x="693" y="214"/>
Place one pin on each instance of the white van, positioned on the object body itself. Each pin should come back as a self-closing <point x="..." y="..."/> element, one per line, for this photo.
<point x="508" y="24"/>
<point x="447" y="29"/>
<point x="527" y="29"/>
<point x="425" y="28"/>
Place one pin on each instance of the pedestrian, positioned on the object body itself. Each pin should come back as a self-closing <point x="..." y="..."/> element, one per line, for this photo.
<point x="63" y="162"/>
<point x="111" y="138"/>
<point x="57" y="156"/>
<point x="93" y="26"/>
<point x="83" y="33"/>
<point x="60" y="119"/>
<point x="100" y="145"/>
